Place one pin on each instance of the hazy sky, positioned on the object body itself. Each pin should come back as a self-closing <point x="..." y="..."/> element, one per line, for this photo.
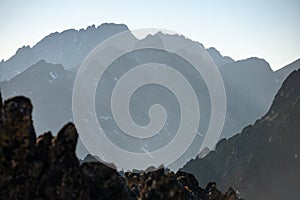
<point x="268" y="29"/>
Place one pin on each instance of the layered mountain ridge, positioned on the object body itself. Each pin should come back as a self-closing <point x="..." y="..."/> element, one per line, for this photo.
<point x="250" y="84"/>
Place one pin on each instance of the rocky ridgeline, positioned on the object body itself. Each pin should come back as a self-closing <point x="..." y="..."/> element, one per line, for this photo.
<point x="47" y="167"/>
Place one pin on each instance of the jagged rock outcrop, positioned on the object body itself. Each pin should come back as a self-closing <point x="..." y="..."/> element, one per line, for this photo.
<point x="47" y="167"/>
<point x="165" y="184"/>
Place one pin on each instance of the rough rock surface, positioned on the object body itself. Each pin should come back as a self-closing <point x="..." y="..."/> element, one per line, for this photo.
<point x="47" y="167"/>
<point x="164" y="184"/>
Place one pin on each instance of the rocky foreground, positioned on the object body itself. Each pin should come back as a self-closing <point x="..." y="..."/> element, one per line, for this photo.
<point x="47" y="167"/>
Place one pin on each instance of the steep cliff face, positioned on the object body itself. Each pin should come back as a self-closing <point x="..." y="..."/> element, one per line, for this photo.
<point x="263" y="161"/>
<point x="47" y="167"/>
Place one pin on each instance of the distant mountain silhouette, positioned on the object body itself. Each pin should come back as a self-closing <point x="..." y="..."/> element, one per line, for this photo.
<point x="68" y="48"/>
<point x="262" y="162"/>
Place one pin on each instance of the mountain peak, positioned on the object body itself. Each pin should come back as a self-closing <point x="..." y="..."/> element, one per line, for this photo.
<point x="113" y="25"/>
<point x="218" y="58"/>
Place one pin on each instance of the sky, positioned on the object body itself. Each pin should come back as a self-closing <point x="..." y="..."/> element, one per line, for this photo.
<point x="268" y="29"/>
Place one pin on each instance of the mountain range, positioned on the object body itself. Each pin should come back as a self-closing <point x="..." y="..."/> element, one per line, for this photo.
<point x="258" y="153"/>
<point x="46" y="73"/>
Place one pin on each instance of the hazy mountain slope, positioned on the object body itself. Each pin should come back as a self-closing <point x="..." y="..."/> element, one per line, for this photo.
<point x="250" y="87"/>
<point x="50" y="88"/>
<point x="250" y="84"/>
<point x="263" y="161"/>
<point x="282" y="73"/>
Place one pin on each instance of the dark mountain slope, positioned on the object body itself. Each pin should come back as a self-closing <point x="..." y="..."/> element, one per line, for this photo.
<point x="263" y="161"/>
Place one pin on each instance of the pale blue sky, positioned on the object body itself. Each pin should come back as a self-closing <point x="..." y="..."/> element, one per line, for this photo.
<point x="268" y="29"/>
